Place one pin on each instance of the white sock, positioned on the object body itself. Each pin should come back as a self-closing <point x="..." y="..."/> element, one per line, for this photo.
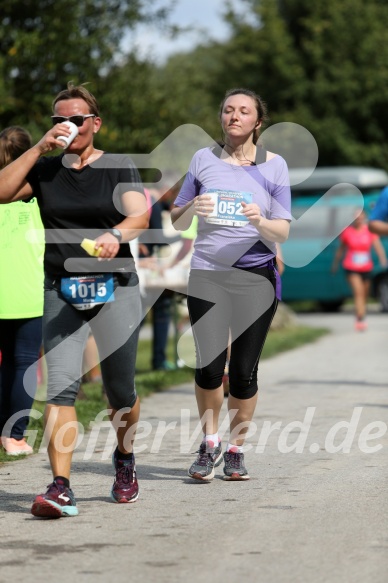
<point x="234" y="448"/>
<point x="213" y="438"/>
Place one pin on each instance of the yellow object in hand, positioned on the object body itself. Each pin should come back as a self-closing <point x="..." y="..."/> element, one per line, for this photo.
<point x="90" y="247"/>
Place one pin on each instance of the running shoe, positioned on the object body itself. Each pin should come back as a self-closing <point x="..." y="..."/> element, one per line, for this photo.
<point x="360" y="325"/>
<point x="58" y="501"/>
<point x="208" y="458"/>
<point x="234" y="468"/>
<point x="14" y="446"/>
<point x="125" y="487"/>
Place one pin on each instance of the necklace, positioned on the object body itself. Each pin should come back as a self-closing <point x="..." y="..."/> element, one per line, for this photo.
<point x="240" y="161"/>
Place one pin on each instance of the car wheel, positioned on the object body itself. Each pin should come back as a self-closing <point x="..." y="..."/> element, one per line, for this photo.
<point x="330" y="306"/>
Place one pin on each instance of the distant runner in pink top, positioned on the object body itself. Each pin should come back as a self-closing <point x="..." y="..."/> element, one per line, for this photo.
<point x="357" y="243"/>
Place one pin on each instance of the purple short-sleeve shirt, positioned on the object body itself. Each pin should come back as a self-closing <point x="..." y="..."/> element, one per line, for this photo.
<point x="219" y="247"/>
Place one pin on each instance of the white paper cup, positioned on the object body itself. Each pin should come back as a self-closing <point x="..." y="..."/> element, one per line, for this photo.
<point x="68" y="139"/>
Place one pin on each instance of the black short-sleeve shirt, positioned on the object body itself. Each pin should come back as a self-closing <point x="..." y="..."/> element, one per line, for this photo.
<point x="81" y="203"/>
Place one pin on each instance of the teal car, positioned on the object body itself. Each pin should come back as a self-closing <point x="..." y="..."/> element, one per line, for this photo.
<point x="323" y="205"/>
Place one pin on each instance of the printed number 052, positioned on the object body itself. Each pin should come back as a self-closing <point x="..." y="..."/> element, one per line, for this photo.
<point x="229" y="208"/>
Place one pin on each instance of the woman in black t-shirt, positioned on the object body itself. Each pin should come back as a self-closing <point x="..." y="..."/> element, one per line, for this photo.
<point x="84" y="193"/>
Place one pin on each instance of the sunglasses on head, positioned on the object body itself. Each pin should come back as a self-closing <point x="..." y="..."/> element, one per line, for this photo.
<point x="78" y="120"/>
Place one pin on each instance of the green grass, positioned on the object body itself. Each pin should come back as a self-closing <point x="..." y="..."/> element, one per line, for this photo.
<point x="304" y="306"/>
<point x="91" y="399"/>
<point x="292" y="337"/>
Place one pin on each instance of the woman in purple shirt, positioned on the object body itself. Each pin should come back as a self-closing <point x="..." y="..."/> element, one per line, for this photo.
<point x="241" y="196"/>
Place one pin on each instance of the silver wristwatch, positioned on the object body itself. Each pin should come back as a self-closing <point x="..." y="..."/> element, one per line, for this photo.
<point x="116" y="233"/>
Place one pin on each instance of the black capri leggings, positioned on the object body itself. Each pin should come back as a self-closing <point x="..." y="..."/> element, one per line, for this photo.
<point x="238" y="301"/>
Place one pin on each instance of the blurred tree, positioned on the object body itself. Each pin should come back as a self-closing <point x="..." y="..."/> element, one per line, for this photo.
<point x="321" y="64"/>
<point x="145" y="102"/>
<point x="131" y="104"/>
<point x="45" y="43"/>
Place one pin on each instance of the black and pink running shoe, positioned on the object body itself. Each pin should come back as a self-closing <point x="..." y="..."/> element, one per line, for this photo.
<point x="125" y="487"/>
<point x="58" y="501"/>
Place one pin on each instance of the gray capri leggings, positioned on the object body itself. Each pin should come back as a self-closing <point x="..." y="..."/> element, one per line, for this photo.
<point x="115" y="326"/>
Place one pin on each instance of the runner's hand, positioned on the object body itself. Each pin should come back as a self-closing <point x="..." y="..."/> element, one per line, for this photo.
<point x="109" y="246"/>
<point x="252" y="212"/>
<point x="203" y="205"/>
<point x="49" y="141"/>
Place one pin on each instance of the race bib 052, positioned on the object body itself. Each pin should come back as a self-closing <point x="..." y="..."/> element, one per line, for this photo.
<point x="227" y="207"/>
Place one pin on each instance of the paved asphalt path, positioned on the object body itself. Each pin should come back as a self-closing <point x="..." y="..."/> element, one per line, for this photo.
<point x="317" y="515"/>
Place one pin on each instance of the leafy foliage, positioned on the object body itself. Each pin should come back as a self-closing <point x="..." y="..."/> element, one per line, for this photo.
<point x="45" y="43"/>
<point x="318" y="64"/>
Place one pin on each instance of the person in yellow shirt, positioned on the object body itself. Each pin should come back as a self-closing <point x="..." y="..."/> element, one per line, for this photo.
<point x="21" y="303"/>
